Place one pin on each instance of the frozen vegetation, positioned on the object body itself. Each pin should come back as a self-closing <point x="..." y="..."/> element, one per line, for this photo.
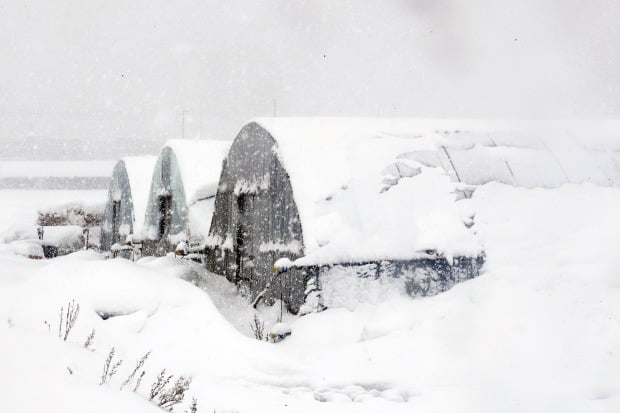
<point x="537" y="331"/>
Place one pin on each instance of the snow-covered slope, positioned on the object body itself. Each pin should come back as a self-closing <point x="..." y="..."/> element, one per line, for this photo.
<point x="537" y="331"/>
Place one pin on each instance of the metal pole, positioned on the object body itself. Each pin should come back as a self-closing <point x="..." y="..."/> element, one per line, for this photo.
<point x="281" y="298"/>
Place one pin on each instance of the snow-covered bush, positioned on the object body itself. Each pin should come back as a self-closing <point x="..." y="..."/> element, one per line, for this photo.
<point x="70" y="317"/>
<point x="258" y="328"/>
<point x="109" y="368"/>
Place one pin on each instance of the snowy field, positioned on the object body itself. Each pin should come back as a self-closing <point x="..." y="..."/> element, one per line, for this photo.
<point x="538" y="331"/>
<point x="55" y="168"/>
<point x="57" y="175"/>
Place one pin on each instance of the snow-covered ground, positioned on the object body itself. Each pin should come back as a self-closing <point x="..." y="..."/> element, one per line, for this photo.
<point x="539" y="330"/>
<point x="55" y="168"/>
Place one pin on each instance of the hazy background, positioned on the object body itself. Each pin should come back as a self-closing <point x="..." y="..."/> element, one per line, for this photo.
<point x="97" y="71"/>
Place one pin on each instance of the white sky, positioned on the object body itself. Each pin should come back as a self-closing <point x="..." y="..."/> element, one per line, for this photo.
<point x="116" y="68"/>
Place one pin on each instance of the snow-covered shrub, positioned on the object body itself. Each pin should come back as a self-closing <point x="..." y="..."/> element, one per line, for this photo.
<point x="193" y="408"/>
<point x="89" y="340"/>
<point x="167" y="399"/>
<point x="109" y="368"/>
<point x="139" y="365"/>
<point x="69" y="318"/>
<point x="258" y="328"/>
<point x="313" y="302"/>
<point x="175" y="395"/>
<point x="159" y="384"/>
<point x="161" y="393"/>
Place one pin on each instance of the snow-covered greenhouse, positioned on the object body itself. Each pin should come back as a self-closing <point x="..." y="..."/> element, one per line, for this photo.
<point x="182" y="192"/>
<point x="377" y="198"/>
<point x="126" y="202"/>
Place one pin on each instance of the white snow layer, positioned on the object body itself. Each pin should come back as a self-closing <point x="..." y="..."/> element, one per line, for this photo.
<point x="539" y="330"/>
<point x="139" y="173"/>
<point x="19" y="208"/>
<point x="55" y="168"/>
<point x="200" y="164"/>
<point x="63" y="235"/>
<point x="386" y="188"/>
<point x="200" y="216"/>
<point x="62" y="208"/>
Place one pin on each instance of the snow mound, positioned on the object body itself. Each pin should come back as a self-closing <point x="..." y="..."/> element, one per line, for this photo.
<point x="371" y="189"/>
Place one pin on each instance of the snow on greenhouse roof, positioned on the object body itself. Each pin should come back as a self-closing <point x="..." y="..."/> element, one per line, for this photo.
<point x="383" y="188"/>
<point x="200" y="164"/>
<point x="139" y="172"/>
